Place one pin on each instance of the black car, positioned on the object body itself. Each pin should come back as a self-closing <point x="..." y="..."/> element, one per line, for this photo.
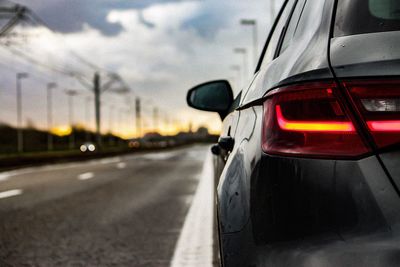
<point x="308" y="161"/>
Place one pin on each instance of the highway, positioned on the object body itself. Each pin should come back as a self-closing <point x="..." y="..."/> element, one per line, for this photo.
<point x="135" y="210"/>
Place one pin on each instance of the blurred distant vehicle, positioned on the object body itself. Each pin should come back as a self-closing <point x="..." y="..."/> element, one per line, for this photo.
<point x="134" y="144"/>
<point x="308" y="158"/>
<point x="87" y="147"/>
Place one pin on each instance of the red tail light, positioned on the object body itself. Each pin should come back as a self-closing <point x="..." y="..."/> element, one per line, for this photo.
<point x="379" y="104"/>
<point x="309" y="120"/>
<point x="312" y="126"/>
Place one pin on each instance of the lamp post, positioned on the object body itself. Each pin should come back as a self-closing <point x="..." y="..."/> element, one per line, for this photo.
<point x="237" y="69"/>
<point x="50" y="87"/>
<point x="253" y="24"/>
<point x="110" y="125"/>
<point x="243" y="52"/>
<point x="138" y="113"/>
<point x="20" y="135"/>
<point x="71" y="94"/>
<point x="272" y="11"/>
<point x="87" y="118"/>
<point x="155" y="119"/>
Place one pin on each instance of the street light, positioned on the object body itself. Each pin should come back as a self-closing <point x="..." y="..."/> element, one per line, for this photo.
<point x="138" y="113"/>
<point x="87" y="118"/>
<point x="243" y="51"/>
<point x="50" y="86"/>
<point x="20" y="136"/>
<point x="253" y="24"/>
<point x="239" y="75"/>
<point x="155" y="119"/>
<point x="110" y="125"/>
<point x="71" y="94"/>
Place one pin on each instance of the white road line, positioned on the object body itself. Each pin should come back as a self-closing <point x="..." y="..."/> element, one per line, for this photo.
<point x="4" y="176"/>
<point x="159" y="155"/>
<point x="86" y="176"/>
<point x="110" y="160"/>
<point x="195" y="243"/>
<point x="121" y="165"/>
<point x="10" y="193"/>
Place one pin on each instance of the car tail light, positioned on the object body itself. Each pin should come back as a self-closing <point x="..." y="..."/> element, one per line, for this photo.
<point x="379" y="105"/>
<point x="309" y="120"/>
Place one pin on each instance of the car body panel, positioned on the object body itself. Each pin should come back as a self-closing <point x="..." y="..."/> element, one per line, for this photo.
<point x="306" y="211"/>
<point x="293" y="211"/>
<point x="391" y="162"/>
<point x="233" y="188"/>
<point x="306" y="57"/>
<point x="357" y="56"/>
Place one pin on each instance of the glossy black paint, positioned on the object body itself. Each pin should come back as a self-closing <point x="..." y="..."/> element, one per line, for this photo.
<point x="366" y="55"/>
<point x="288" y="211"/>
<point x="216" y="96"/>
<point x="357" y="57"/>
<point x="305" y="60"/>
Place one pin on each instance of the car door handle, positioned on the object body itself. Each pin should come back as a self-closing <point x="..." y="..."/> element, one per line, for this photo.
<point x="226" y="143"/>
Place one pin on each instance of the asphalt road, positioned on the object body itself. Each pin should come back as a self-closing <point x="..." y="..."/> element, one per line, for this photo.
<point x="123" y="211"/>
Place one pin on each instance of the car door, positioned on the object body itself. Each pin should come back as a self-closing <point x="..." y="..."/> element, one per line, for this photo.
<point x="226" y="140"/>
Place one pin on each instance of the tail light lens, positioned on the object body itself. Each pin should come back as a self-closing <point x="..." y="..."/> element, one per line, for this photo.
<point x="309" y="120"/>
<point x="379" y="104"/>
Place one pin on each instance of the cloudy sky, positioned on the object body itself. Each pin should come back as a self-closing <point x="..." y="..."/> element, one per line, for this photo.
<point x="161" y="48"/>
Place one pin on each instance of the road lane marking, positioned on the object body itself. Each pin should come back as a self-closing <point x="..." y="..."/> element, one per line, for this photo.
<point x="63" y="166"/>
<point x="160" y="155"/>
<point x="86" y="176"/>
<point x="10" y="193"/>
<point x="4" y="176"/>
<point x="110" y="160"/>
<point x="195" y="243"/>
<point x="121" y="165"/>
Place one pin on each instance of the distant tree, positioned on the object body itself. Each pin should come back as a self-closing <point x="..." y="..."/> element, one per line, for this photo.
<point x="202" y="131"/>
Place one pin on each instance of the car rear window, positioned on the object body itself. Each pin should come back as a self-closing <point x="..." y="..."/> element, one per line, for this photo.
<point x="367" y="16"/>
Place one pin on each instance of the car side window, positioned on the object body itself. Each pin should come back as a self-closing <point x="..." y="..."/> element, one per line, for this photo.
<point x="292" y="26"/>
<point x="276" y="35"/>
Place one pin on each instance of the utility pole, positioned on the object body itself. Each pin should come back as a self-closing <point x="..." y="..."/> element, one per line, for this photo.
<point x="253" y="24"/>
<point x="87" y="118"/>
<point x="132" y="116"/>
<point x="155" y="119"/>
<point x="243" y="51"/>
<point x="20" y="135"/>
<point x="50" y="87"/>
<point x="110" y="125"/>
<point x="71" y="94"/>
<point x="138" y="118"/>
<point x="96" y="89"/>
<point x="239" y="76"/>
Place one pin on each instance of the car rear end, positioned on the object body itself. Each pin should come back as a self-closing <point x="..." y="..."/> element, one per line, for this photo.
<point x="365" y="56"/>
<point x="326" y="191"/>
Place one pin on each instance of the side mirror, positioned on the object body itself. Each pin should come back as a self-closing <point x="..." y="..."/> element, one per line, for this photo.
<point x="213" y="96"/>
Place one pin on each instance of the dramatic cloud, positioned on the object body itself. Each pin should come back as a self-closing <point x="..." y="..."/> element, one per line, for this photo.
<point x="161" y="48"/>
<point x="72" y="15"/>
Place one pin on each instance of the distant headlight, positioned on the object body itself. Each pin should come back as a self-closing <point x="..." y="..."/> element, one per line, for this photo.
<point x="83" y="148"/>
<point x="91" y="147"/>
